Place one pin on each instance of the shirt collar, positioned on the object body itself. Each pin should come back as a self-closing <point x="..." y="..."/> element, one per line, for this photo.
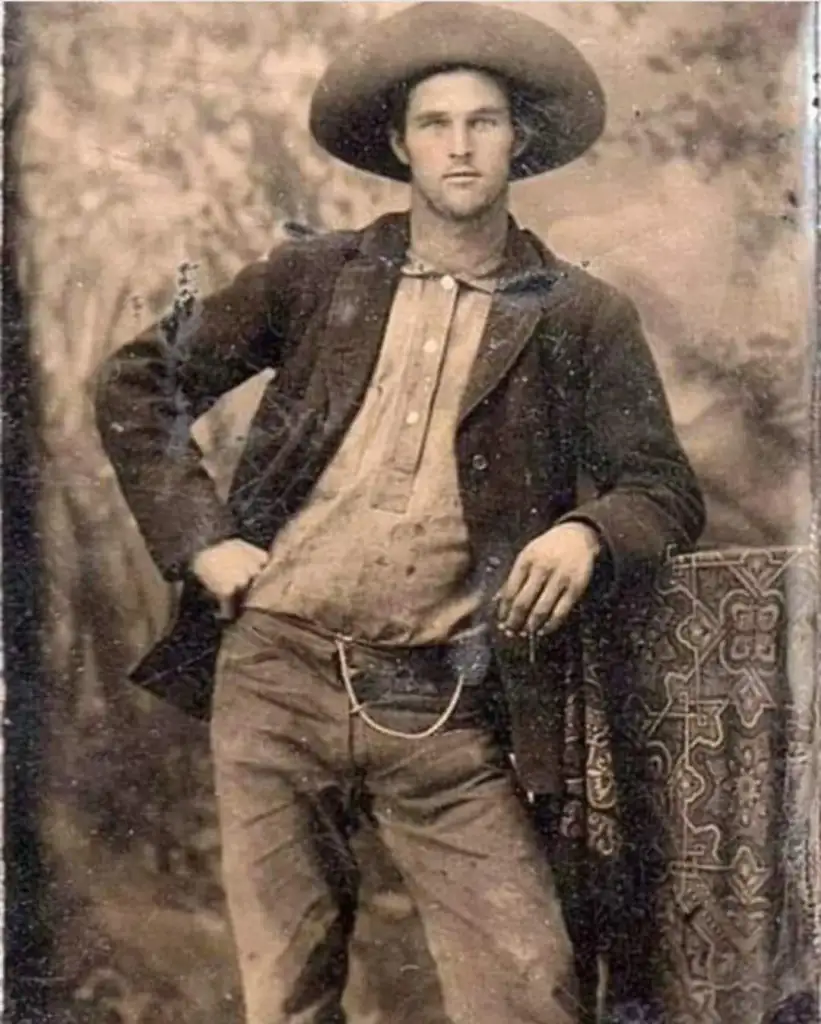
<point x="414" y="266"/>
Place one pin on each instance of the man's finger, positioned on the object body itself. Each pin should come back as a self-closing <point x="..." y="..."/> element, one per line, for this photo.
<point x="513" y="584"/>
<point x="520" y="607"/>
<point x="551" y="593"/>
<point x="227" y="610"/>
<point x="563" y="607"/>
<point x="516" y="578"/>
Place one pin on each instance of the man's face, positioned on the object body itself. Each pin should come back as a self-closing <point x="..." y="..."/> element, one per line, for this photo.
<point x="458" y="143"/>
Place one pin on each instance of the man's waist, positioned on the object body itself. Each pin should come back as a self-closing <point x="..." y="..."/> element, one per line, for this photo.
<point x="424" y="669"/>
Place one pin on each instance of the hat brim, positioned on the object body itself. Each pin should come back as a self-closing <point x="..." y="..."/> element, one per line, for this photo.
<point x="561" y="96"/>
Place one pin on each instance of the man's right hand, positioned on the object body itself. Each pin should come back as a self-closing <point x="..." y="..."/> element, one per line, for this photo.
<point x="227" y="570"/>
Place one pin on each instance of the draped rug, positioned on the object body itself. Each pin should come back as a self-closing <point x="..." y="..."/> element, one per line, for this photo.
<point x="690" y="843"/>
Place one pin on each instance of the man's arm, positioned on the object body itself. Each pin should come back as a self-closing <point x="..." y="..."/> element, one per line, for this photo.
<point x="649" y="501"/>
<point x="150" y="391"/>
<point x="648" y="498"/>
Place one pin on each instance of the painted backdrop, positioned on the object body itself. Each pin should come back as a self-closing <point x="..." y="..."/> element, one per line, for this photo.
<point x="162" y="146"/>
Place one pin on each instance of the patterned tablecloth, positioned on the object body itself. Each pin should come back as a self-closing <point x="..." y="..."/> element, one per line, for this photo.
<point x="713" y="720"/>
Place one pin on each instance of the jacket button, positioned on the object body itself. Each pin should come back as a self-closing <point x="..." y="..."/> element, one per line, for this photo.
<point x="479" y="462"/>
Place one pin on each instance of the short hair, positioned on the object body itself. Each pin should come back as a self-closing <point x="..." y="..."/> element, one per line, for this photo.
<point x="520" y="106"/>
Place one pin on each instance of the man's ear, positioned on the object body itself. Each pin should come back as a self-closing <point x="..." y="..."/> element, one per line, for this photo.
<point x="398" y="147"/>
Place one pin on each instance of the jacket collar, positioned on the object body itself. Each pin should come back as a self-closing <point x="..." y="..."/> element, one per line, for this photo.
<point x="527" y="262"/>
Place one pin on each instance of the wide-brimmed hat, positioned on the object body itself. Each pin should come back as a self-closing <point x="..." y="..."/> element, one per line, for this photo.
<point x="352" y="104"/>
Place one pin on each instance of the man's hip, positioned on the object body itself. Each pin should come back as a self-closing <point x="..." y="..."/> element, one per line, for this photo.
<point x="454" y="682"/>
<point x="295" y="770"/>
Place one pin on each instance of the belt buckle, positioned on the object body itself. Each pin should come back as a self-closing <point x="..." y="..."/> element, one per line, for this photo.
<point x="402" y="679"/>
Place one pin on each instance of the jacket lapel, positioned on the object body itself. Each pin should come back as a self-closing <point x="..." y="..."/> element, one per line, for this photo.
<point x="357" y="317"/>
<point x="509" y="327"/>
<point x="517" y="307"/>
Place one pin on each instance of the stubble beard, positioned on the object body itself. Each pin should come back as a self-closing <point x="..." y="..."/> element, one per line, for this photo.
<point x="474" y="215"/>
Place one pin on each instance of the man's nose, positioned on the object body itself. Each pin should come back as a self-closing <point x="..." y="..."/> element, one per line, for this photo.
<point x="460" y="141"/>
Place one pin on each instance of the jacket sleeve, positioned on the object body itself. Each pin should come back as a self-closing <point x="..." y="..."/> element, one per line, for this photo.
<point x="149" y="393"/>
<point x="648" y="502"/>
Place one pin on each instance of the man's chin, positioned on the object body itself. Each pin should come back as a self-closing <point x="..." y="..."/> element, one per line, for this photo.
<point x="460" y="209"/>
<point x="461" y="212"/>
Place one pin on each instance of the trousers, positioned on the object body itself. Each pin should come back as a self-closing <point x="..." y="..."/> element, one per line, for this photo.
<point x="293" y="769"/>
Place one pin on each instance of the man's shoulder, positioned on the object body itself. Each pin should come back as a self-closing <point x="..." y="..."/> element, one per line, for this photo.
<point x="309" y="249"/>
<point x="575" y="282"/>
<point x="595" y="297"/>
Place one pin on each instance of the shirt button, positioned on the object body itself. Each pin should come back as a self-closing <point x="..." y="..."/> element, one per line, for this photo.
<point x="412" y="418"/>
<point x="430" y="346"/>
<point x="448" y="283"/>
<point x="479" y="462"/>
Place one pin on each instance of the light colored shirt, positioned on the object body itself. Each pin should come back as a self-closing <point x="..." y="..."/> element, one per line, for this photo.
<point x="381" y="551"/>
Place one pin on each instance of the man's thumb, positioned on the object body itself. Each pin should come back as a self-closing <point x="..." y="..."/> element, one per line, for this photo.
<point x="227" y="610"/>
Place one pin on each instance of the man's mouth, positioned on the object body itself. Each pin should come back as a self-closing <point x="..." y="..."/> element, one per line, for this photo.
<point x="462" y="176"/>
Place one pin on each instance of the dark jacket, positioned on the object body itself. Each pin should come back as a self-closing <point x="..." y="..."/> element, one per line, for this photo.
<point x="564" y="387"/>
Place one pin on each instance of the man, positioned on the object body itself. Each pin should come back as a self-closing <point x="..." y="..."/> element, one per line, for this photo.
<point x="404" y="552"/>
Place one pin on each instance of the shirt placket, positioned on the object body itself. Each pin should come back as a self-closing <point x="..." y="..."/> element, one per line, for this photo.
<point x="394" y="485"/>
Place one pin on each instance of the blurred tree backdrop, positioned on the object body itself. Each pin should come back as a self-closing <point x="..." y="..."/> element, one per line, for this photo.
<point x="167" y="144"/>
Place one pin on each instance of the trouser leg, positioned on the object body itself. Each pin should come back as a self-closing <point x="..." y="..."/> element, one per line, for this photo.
<point x="279" y="739"/>
<point x="451" y="817"/>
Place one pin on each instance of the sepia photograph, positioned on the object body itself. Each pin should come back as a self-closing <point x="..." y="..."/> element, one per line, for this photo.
<point x="368" y="662"/>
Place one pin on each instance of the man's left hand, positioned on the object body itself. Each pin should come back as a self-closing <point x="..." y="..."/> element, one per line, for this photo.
<point x="547" y="579"/>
